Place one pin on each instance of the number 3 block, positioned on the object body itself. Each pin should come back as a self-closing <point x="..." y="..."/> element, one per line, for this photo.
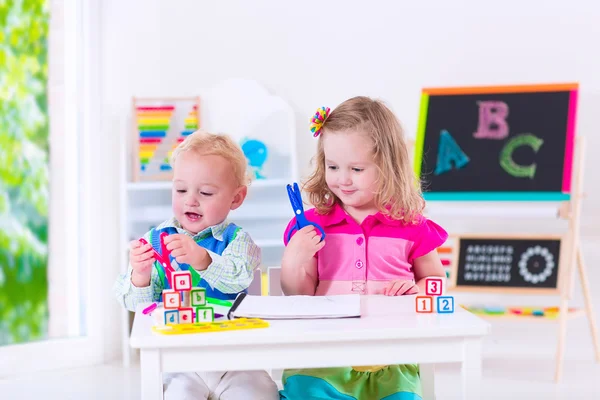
<point x="424" y="304"/>
<point x="433" y="286"/>
<point x="445" y="304"/>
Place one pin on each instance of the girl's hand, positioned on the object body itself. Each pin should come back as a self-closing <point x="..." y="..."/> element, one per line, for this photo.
<point x="400" y="287"/>
<point x="141" y="258"/>
<point x="303" y="245"/>
<point x="186" y="251"/>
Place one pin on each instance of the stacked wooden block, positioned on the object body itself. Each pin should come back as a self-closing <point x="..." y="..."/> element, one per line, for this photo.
<point x="184" y="304"/>
<point x="434" y="289"/>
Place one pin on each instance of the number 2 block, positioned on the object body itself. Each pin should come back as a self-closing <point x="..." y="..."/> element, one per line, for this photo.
<point x="445" y="304"/>
<point x="424" y="304"/>
<point x="433" y="286"/>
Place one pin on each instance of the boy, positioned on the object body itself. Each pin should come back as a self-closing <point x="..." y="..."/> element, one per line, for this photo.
<point x="209" y="180"/>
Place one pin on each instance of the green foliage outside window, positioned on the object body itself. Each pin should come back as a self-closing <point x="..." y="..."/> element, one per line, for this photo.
<point x="23" y="170"/>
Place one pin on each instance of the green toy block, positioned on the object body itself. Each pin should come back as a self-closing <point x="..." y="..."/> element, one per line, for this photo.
<point x="198" y="297"/>
<point x="205" y="314"/>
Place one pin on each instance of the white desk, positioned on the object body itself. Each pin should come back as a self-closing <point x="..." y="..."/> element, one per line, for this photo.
<point x="389" y="332"/>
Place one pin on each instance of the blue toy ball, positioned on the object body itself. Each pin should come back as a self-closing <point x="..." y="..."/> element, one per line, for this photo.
<point x="256" y="153"/>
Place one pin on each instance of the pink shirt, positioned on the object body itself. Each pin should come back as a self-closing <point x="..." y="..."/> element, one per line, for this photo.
<point x="364" y="258"/>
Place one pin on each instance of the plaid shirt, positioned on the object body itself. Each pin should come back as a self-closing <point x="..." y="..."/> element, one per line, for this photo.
<point x="230" y="272"/>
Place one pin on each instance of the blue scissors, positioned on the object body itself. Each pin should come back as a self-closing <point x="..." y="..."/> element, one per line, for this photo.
<point x="301" y="221"/>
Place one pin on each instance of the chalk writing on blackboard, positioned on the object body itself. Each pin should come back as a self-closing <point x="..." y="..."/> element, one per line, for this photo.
<point x="497" y="143"/>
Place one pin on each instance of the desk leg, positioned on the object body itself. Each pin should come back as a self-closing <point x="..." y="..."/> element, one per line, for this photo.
<point x="152" y="383"/>
<point x="471" y="369"/>
<point x="427" y="374"/>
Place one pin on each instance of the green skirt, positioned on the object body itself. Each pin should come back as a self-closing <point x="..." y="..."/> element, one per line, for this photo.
<point x="390" y="382"/>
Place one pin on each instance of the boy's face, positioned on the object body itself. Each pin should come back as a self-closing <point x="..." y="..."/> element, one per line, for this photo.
<point x="204" y="190"/>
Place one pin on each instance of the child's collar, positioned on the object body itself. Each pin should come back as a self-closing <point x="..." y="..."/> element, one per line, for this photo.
<point x="216" y="231"/>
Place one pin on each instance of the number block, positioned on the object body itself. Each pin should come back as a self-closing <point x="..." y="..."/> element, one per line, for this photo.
<point x="186" y="315"/>
<point x="171" y="299"/>
<point x="205" y="314"/>
<point x="198" y="297"/>
<point x="433" y="286"/>
<point x="445" y="304"/>
<point x="182" y="280"/>
<point x="424" y="304"/>
<point x="171" y="317"/>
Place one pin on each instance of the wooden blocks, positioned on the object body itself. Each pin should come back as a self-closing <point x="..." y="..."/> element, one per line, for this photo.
<point x="424" y="304"/>
<point x="182" y="280"/>
<point x="184" y="304"/>
<point x="186" y="315"/>
<point x="434" y="287"/>
<point x="172" y="299"/>
<point x="445" y="304"/>
<point x="205" y="314"/>
<point x="198" y="297"/>
<point x="171" y="317"/>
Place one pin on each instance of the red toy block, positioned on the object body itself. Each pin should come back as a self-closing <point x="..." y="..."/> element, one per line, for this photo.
<point x="182" y="280"/>
<point x="424" y="304"/>
<point x="186" y="315"/>
<point x="171" y="299"/>
<point x="433" y="286"/>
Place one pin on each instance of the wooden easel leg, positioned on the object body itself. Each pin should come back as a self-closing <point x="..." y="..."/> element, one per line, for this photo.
<point x="585" y="285"/>
<point x="562" y="333"/>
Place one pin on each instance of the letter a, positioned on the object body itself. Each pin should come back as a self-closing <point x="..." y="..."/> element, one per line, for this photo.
<point x="492" y="120"/>
<point x="448" y="151"/>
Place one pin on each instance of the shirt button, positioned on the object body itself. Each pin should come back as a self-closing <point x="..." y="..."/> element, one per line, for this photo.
<point x="359" y="264"/>
<point x="359" y="241"/>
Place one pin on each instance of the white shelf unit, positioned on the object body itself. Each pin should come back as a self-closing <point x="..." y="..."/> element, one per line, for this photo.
<point x="266" y="210"/>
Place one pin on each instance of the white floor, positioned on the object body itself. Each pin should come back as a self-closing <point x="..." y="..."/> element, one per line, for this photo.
<point x="518" y="364"/>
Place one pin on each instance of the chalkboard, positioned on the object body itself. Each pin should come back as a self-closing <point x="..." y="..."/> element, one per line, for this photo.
<point x="505" y="143"/>
<point x="525" y="264"/>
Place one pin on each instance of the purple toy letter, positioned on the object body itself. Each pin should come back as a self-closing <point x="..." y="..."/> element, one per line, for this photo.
<point x="492" y="120"/>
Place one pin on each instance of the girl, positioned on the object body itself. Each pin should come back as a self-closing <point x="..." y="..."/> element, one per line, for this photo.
<point x="377" y="240"/>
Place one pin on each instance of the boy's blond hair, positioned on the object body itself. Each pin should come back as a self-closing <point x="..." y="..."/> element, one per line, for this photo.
<point x="399" y="193"/>
<point x="204" y="143"/>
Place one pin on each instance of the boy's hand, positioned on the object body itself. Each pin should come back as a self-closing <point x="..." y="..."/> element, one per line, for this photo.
<point x="303" y="245"/>
<point x="400" y="287"/>
<point x="187" y="251"/>
<point x="141" y="258"/>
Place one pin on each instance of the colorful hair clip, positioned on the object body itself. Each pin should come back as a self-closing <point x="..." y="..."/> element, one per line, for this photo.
<point x="316" y="122"/>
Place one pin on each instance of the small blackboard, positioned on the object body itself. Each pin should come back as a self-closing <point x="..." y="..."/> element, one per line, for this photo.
<point x="523" y="264"/>
<point x="505" y="143"/>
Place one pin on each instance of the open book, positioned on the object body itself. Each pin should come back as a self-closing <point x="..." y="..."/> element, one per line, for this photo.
<point x="295" y="307"/>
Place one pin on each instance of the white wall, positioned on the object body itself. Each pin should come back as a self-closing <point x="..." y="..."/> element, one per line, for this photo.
<point x="316" y="53"/>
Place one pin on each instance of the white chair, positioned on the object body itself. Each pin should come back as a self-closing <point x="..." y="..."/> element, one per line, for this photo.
<point x="255" y="287"/>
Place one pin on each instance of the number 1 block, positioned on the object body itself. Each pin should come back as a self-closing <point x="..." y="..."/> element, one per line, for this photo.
<point x="424" y="304"/>
<point x="445" y="304"/>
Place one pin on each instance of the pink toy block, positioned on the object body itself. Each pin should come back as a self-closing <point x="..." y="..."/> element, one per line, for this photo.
<point x="182" y="280"/>
<point x="171" y="299"/>
<point x="433" y="286"/>
<point x="424" y="304"/>
<point x="186" y="315"/>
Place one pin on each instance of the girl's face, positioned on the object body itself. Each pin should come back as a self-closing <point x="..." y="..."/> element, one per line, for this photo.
<point x="351" y="173"/>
